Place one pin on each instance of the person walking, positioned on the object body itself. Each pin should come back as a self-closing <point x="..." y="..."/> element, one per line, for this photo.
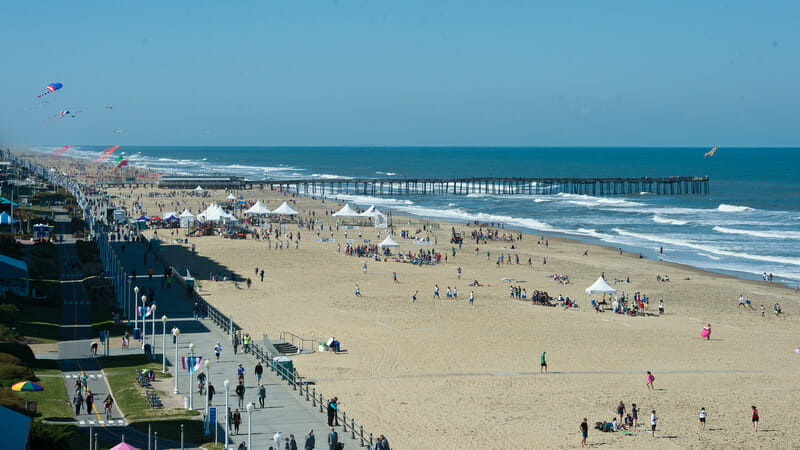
<point x="237" y="420"/>
<point x="543" y="364"/>
<point x="621" y="411"/>
<point x="653" y="422"/>
<point x="240" y="394"/>
<point x="333" y="439"/>
<point x="259" y="371"/>
<point x="471" y="297"/>
<point x="78" y="402"/>
<point x="235" y="343"/>
<point x="262" y="394"/>
<point x="635" y="414"/>
<point x="89" y="401"/>
<point x="383" y="443"/>
<point x="358" y="291"/>
<point x="702" y="415"/>
<point x="584" y="427"/>
<point x="311" y="441"/>
<point x="292" y="443"/>
<point x="211" y="392"/>
<point x="754" y="418"/>
<point x="217" y="350"/>
<point x="650" y="379"/>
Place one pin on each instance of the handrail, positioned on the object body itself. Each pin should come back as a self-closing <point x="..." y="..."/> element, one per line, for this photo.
<point x="295" y="338"/>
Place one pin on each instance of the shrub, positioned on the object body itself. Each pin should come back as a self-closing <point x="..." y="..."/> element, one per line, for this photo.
<point x="10" y="359"/>
<point x="47" y="436"/>
<point x="8" y="312"/>
<point x="16" y="373"/>
<point x="21" y="351"/>
<point x="12" y="401"/>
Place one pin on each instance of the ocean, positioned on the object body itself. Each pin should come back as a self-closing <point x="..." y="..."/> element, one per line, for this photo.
<point x="748" y="225"/>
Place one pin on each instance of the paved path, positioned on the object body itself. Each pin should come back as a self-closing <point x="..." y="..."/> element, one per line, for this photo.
<point x="284" y="410"/>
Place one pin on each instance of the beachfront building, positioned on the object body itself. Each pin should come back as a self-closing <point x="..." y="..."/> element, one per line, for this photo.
<point x="13" y="276"/>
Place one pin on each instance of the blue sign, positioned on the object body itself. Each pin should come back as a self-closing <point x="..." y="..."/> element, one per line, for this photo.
<point x="212" y="418"/>
<point x="102" y="336"/>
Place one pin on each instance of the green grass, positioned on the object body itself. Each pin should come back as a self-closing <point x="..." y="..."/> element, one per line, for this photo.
<point x="53" y="401"/>
<point x="171" y="429"/>
<point x="42" y="323"/>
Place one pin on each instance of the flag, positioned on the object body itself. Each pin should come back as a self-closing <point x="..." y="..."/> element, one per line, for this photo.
<point x="191" y="363"/>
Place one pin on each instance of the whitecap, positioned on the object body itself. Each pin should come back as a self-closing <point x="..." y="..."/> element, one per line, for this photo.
<point x="733" y="208"/>
<point x="659" y="219"/>
<point x="768" y="234"/>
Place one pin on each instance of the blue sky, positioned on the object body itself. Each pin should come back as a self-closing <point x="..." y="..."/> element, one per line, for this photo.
<point x="402" y="73"/>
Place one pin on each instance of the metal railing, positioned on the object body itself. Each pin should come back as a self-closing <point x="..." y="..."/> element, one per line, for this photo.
<point x="297" y="341"/>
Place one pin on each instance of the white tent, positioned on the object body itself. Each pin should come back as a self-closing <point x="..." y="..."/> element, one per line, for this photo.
<point x="166" y="216"/>
<point x="372" y="211"/>
<point x="198" y="189"/>
<point x="600" y="287"/>
<point x="258" y="209"/>
<point x="346" y="211"/>
<point x="215" y="213"/>
<point x="389" y="242"/>
<point x="185" y="217"/>
<point x="230" y="197"/>
<point x="284" y="210"/>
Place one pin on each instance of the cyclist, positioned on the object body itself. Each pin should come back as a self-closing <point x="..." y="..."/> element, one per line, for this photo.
<point x="108" y="403"/>
<point x="201" y="382"/>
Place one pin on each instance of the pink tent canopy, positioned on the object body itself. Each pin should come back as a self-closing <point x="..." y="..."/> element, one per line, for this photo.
<point x="124" y="446"/>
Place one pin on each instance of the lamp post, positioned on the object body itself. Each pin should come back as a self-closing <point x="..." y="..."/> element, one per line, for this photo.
<point x="207" y="363"/>
<point x="227" y="383"/>
<point x="191" y="372"/>
<point x="144" y="327"/>
<point x="135" y="316"/>
<point x="164" y="344"/>
<point x="127" y="286"/>
<point x="250" y="407"/>
<point x="153" y="332"/>
<point x="175" y="365"/>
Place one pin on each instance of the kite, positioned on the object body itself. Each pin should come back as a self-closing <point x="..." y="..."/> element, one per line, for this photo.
<point x="52" y="87"/>
<point x="711" y="152"/>
<point x="109" y="107"/>
<point x="117" y="131"/>
<point x="122" y="163"/>
<point x="60" y="151"/>
<point x="62" y="114"/>
<point x="108" y="152"/>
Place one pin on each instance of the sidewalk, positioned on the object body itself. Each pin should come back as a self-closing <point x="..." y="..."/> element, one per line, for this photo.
<point x="285" y="411"/>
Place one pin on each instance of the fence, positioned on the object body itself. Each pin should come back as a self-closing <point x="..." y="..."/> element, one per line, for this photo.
<point x="298" y="342"/>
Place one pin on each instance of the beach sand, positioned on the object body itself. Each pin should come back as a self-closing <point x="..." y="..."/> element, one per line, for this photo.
<point x="443" y="374"/>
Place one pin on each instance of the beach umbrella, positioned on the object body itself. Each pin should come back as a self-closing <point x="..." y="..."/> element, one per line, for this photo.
<point x="155" y="219"/>
<point x="27" y="386"/>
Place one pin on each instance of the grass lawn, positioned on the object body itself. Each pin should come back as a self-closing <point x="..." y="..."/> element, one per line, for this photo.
<point x="42" y="323"/>
<point x="53" y="401"/>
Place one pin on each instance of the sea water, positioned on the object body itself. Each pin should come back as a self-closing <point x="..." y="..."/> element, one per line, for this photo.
<point x="748" y="225"/>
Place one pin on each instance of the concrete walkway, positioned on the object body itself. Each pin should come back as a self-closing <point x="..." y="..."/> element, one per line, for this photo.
<point x="285" y="411"/>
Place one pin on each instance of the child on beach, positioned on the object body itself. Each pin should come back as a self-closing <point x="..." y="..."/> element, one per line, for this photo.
<point x="653" y="422"/>
<point x="702" y="415"/>
<point x="650" y="379"/>
<point x="755" y="418"/>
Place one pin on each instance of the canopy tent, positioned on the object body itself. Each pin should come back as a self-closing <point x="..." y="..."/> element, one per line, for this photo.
<point x="124" y="446"/>
<point x="389" y="242"/>
<point x="230" y="197"/>
<point x="185" y="218"/>
<point x="6" y="219"/>
<point x="284" y="210"/>
<point x="172" y="215"/>
<point x="346" y="211"/>
<point x="198" y="189"/>
<point x="215" y="213"/>
<point x="372" y="211"/>
<point x="155" y="219"/>
<point x="600" y="287"/>
<point x="258" y="209"/>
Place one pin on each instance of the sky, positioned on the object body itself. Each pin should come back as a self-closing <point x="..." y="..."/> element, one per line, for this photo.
<point x="416" y="73"/>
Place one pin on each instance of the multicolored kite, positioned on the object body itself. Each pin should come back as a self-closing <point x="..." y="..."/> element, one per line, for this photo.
<point x="711" y="152"/>
<point x="62" y="114"/>
<point x="122" y="163"/>
<point x="108" y="152"/>
<point x="52" y="87"/>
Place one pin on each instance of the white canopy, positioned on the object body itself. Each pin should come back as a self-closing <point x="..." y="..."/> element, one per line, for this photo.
<point x="600" y="287"/>
<point x="346" y="211"/>
<point x="167" y="215"/>
<point x="258" y="209"/>
<point x="215" y="213"/>
<point x="372" y="211"/>
<point x="185" y="218"/>
<point x="230" y="197"/>
<point x="186" y="213"/>
<point x="284" y="210"/>
<point x="198" y="189"/>
<point x="389" y="242"/>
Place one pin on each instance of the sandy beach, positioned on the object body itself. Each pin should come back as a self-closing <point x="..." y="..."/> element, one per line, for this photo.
<point x="439" y="373"/>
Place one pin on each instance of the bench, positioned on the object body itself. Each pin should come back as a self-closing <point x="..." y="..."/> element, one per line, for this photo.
<point x="142" y="379"/>
<point x="153" y="400"/>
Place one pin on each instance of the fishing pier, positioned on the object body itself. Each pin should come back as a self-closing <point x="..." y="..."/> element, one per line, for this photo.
<point x="687" y="185"/>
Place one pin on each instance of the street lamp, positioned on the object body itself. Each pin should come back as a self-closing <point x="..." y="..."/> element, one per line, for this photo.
<point x="191" y="372"/>
<point x="164" y="344"/>
<point x="250" y="407"/>
<point x="175" y="364"/>
<point x="207" y="363"/>
<point x="135" y="316"/>
<point x="125" y="297"/>
<point x="227" y="408"/>
<point x="153" y="332"/>
<point x="144" y="328"/>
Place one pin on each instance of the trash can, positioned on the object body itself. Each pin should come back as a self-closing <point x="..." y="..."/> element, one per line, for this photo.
<point x="147" y="350"/>
<point x="282" y="365"/>
<point x="186" y="401"/>
<point x="137" y="333"/>
<point x="186" y="240"/>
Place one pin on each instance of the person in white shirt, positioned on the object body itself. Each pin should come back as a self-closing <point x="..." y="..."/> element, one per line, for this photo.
<point x="653" y="422"/>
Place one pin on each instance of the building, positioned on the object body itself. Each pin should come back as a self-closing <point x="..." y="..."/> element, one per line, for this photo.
<point x="13" y="276"/>
<point x="15" y="429"/>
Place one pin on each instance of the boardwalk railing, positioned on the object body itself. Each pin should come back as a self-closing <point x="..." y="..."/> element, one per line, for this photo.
<point x="301" y="343"/>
